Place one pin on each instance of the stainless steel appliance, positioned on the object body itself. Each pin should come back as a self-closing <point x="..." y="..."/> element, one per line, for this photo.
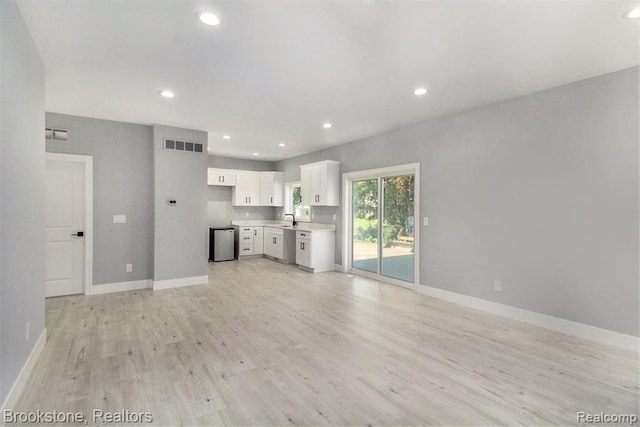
<point x="221" y="244"/>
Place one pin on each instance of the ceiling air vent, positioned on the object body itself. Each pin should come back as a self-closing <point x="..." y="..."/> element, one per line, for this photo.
<point x="192" y="147"/>
<point x="56" y="134"/>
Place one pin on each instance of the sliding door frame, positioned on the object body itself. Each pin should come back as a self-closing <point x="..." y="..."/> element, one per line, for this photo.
<point x="347" y="215"/>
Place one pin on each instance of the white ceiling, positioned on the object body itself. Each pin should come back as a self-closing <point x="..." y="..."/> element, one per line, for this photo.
<point x="274" y="71"/>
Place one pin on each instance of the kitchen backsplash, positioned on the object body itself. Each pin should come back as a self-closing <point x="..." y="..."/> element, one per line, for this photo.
<point x="221" y="212"/>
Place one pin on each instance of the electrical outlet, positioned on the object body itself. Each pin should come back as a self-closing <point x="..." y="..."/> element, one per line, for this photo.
<point x="119" y="219"/>
<point x="497" y="286"/>
<point x="334" y="217"/>
<point x="129" y="268"/>
<point x="246" y="214"/>
<point x="27" y="331"/>
<point x="425" y="220"/>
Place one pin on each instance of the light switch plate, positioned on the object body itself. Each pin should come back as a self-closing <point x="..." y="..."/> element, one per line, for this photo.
<point x="426" y="220"/>
<point x="119" y="219"/>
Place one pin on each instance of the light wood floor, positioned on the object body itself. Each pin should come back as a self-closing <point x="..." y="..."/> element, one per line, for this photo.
<point x="264" y="343"/>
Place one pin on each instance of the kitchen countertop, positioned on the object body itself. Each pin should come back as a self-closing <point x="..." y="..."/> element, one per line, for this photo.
<point x="309" y="227"/>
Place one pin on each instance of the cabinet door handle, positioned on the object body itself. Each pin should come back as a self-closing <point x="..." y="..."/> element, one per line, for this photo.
<point x="255" y="232"/>
<point x="274" y="240"/>
<point x="272" y="200"/>
<point x="302" y="245"/>
<point x="219" y="179"/>
<point x="222" y="178"/>
<point x="249" y="199"/>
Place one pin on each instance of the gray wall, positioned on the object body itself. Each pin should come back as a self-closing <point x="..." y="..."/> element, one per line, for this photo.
<point x="122" y="184"/>
<point x="242" y="164"/>
<point x="219" y="208"/>
<point x="540" y="192"/>
<point x="180" y="231"/>
<point x="21" y="194"/>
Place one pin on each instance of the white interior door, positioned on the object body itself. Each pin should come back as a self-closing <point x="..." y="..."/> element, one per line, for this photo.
<point x="64" y="228"/>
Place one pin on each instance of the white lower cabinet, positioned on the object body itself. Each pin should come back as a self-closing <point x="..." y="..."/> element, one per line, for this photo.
<point x="315" y="251"/>
<point x="274" y="242"/>
<point x="303" y="249"/>
<point x="249" y="241"/>
<point x="258" y="240"/>
<point x="312" y="251"/>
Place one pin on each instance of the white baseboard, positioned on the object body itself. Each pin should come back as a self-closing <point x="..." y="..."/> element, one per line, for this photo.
<point x="23" y="376"/>
<point x="178" y="283"/>
<point x="121" y="286"/>
<point x="339" y="268"/>
<point x="569" y="327"/>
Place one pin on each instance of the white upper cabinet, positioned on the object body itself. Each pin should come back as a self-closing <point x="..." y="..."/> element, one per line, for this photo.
<point x="224" y="177"/>
<point x="320" y="183"/>
<point x="247" y="189"/>
<point x="271" y="188"/>
<point x="250" y="188"/>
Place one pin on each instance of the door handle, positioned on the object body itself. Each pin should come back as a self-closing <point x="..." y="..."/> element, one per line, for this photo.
<point x="79" y="234"/>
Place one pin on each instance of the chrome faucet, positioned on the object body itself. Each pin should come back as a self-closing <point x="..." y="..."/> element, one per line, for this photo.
<point x="294" y="219"/>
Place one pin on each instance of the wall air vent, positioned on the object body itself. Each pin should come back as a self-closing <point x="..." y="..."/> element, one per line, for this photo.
<point x="56" y="134"/>
<point x="192" y="147"/>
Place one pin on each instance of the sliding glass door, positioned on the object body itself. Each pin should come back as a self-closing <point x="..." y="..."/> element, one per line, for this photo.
<point x="365" y="225"/>
<point x="383" y="226"/>
<point x="398" y="220"/>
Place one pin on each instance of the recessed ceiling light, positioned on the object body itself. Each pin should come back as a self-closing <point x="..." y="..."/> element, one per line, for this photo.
<point x="282" y="144"/>
<point x="327" y="125"/>
<point x="255" y="154"/>
<point x="226" y="137"/>
<point x="167" y="93"/>
<point x="633" y="13"/>
<point x="208" y="18"/>
<point x="420" y="91"/>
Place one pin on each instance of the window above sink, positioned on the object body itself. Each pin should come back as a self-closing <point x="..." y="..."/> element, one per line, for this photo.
<point x="293" y="202"/>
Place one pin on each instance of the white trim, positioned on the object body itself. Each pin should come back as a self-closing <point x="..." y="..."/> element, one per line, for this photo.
<point x="178" y="283"/>
<point x="569" y="327"/>
<point x="88" y="211"/>
<point x="347" y="179"/>
<point x="121" y="286"/>
<point x="339" y="268"/>
<point x="382" y="278"/>
<point x="25" y="372"/>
